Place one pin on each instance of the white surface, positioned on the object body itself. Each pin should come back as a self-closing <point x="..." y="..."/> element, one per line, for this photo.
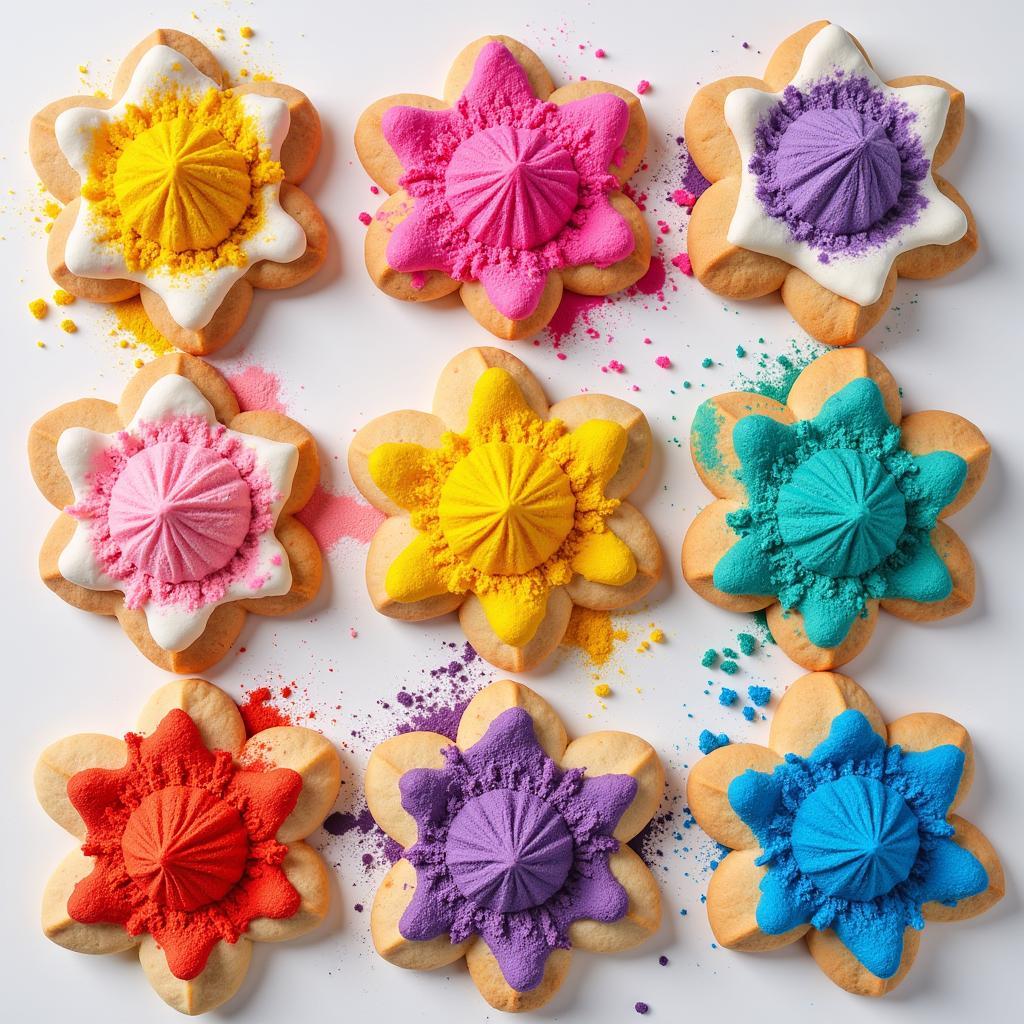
<point x="345" y="353"/>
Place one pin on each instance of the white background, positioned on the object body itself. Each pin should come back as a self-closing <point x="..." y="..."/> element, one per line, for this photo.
<point x="345" y="352"/>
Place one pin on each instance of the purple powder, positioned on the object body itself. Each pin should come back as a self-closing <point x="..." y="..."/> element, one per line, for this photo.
<point x="851" y="201"/>
<point x="341" y="823"/>
<point x="641" y="1008"/>
<point x="663" y="960"/>
<point x="693" y="181"/>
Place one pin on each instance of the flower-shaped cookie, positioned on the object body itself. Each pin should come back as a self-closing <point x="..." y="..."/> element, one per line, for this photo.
<point x="841" y="833"/>
<point x="508" y="190"/>
<point x="514" y="843"/>
<point x="825" y="185"/>
<point x="506" y="509"/>
<point x="191" y="841"/>
<point x="181" y="189"/>
<point x="178" y="511"/>
<point x="832" y="505"/>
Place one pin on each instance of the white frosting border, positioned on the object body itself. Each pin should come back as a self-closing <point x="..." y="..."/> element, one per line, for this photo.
<point x="859" y="277"/>
<point x="78" y="448"/>
<point x="191" y="299"/>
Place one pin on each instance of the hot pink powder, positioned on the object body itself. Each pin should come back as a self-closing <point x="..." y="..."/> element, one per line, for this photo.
<point x="333" y="517"/>
<point x="682" y="262"/>
<point x="654" y="280"/>
<point x="257" y="388"/>
<point x="572" y="309"/>
<point x="663" y="361"/>
<point x="138" y="585"/>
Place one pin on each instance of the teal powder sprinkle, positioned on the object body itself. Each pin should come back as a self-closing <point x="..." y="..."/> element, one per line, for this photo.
<point x="748" y="713"/>
<point x="838" y="513"/>
<point x="727" y="696"/>
<point x="728" y="652"/>
<point x="747" y="643"/>
<point x="687" y="384"/>
<point x="707" y="422"/>
<point x="855" y="838"/>
<point x="759" y="695"/>
<point x="708" y="741"/>
<point x="708" y="657"/>
<point x="774" y="378"/>
<point x="707" y="362"/>
<point x="730" y="668"/>
<point x="740" y="351"/>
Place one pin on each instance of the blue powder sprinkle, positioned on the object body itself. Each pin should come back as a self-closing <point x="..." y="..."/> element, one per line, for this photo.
<point x="708" y="658"/>
<point x="730" y="668"/>
<point x="760" y="695"/>
<point x="727" y="696"/>
<point x="740" y="351"/>
<point x="747" y="642"/>
<point x="748" y="713"/>
<point x="706" y="362"/>
<point x="708" y="741"/>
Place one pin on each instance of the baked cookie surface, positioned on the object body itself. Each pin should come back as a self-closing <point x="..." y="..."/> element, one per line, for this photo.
<point x="514" y="846"/>
<point x="507" y="190"/>
<point x="505" y="508"/>
<point x="841" y="832"/>
<point x="181" y="189"/>
<point x="191" y="841"/>
<point x="831" y="507"/>
<point x="825" y="184"/>
<point x="177" y="511"/>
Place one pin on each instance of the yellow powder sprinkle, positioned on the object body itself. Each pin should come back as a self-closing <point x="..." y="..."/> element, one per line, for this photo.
<point x="220" y="32"/>
<point x="142" y="238"/>
<point x="593" y="633"/>
<point x="657" y="636"/>
<point x="40" y="344"/>
<point x="68" y="326"/>
<point x="131" y="319"/>
<point x="602" y="690"/>
<point x="63" y="298"/>
<point x="243" y="73"/>
<point x="643" y="646"/>
<point x="38" y="308"/>
<point x="83" y="69"/>
<point x="51" y="209"/>
<point x="245" y="32"/>
<point x="138" y="364"/>
<point x="100" y="94"/>
<point x="262" y="77"/>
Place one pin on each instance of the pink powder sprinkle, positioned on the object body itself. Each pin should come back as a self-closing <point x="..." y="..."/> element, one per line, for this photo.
<point x="643" y="86"/>
<point x="365" y="218"/>
<point x="615" y="366"/>
<point x="257" y="582"/>
<point x="663" y="361"/>
<point x="561" y="355"/>
<point x="571" y="309"/>
<point x="682" y="262"/>
<point x="654" y="280"/>
<point x="352" y="632"/>
<point x="275" y="560"/>
<point x="333" y="517"/>
<point x="375" y="190"/>
<point x="599" y="53"/>
<point x="683" y="197"/>
<point x="257" y="388"/>
<point x="647" y="341"/>
<point x="417" y="280"/>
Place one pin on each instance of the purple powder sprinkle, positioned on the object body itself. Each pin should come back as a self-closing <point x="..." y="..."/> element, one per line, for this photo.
<point x="641" y="1008"/>
<point x="663" y="960"/>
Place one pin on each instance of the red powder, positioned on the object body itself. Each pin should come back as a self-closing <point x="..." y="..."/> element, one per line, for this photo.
<point x="654" y="280"/>
<point x="682" y="262"/>
<point x="572" y="308"/>
<point x="257" y="388"/>
<point x="332" y="517"/>
<point x="259" y="714"/>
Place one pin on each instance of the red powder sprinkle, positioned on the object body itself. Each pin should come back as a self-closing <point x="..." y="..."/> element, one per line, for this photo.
<point x="365" y="218"/>
<point x="643" y="86"/>
<point x="258" y="714"/>
<point x="682" y="262"/>
<point x="599" y="53"/>
<point x="663" y="361"/>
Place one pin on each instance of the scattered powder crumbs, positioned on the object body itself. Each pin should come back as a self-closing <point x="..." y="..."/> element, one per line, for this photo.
<point x="641" y="1007"/>
<point x="133" y="326"/>
<point x="747" y="642"/>
<point x="602" y="690"/>
<point x="38" y="308"/>
<point x="759" y="695"/>
<point x="365" y="219"/>
<point x="63" y="298"/>
<point x="682" y="263"/>
<point x="708" y="657"/>
<point x="708" y="741"/>
<point x="663" y="961"/>
<point x="643" y="86"/>
<point x="727" y="697"/>
<point x="657" y="636"/>
<point x="663" y="361"/>
<point x="740" y="351"/>
<point x="68" y="326"/>
<point x="728" y="652"/>
<point x="599" y="53"/>
<point x="707" y="362"/>
<point x="594" y="634"/>
<point x="749" y="713"/>
<point x="729" y="667"/>
<point x="259" y="713"/>
<point x="246" y="32"/>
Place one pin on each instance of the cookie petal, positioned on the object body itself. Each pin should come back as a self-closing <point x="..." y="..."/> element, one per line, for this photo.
<point x="843" y="967"/>
<point x="708" y="791"/>
<point x="495" y="69"/>
<point x="787" y="627"/>
<point x="603" y="558"/>
<point x="376" y="154"/>
<point x="941" y="579"/>
<point x="498" y="697"/>
<point x="213" y="712"/>
<point x="591" y="278"/>
<point x="306" y="871"/>
<point x="219" y="980"/>
<point x="314" y="758"/>
<point x="926" y="730"/>
<point x="414" y="576"/>
<point x="59" y="761"/>
<point x="642" y="918"/>
<point x="621" y="753"/>
<point x="830" y="373"/>
<point x="828" y="317"/>
<point x="709" y="140"/>
<point x="734" y="895"/>
<point x="493" y="299"/>
<point x="744" y="571"/>
<point x="389" y="761"/>
<point x="925" y="432"/>
<point x="487" y="975"/>
<point x="972" y="840"/>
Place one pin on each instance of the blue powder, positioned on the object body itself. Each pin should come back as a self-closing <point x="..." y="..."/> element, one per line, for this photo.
<point x="747" y="642"/>
<point x="708" y="741"/>
<point x="730" y="668"/>
<point x="777" y="553"/>
<point x="708" y="657"/>
<point x="759" y="695"/>
<point x="727" y="696"/>
<point x="828" y="877"/>
<point x="749" y="713"/>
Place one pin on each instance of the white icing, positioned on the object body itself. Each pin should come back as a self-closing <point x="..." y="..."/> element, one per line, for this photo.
<point x="191" y="299"/>
<point x="175" y="628"/>
<point x="859" y="277"/>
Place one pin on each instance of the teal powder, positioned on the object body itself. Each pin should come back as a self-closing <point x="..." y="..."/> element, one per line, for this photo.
<point x="728" y="652"/>
<point x="854" y="838"/>
<point x="708" y="657"/>
<point x="838" y="513"/>
<point x="707" y="423"/>
<point x="747" y="642"/>
<point x="707" y="362"/>
<point x="730" y="668"/>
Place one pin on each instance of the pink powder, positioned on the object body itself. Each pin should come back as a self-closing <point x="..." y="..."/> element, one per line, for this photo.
<point x="599" y="53"/>
<point x="333" y="517"/>
<point x="663" y="361"/>
<point x="654" y="280"/>
<point x="683" y="197"/>
<point x="257" y="388"/>
<point x="571" y="309"/>
<point x="643" y="86"/>
<point x="682" y="262"/>
<point x="365" y="218"/>
<point x="417" y="280"/>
